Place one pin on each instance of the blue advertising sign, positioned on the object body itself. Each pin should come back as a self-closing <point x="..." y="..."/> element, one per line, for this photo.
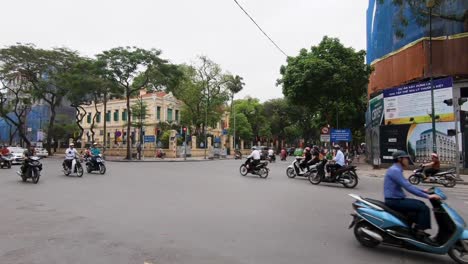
<point x="225" y="131"/>
<point x="150" y="139"/>
<point x="341" y="135"/>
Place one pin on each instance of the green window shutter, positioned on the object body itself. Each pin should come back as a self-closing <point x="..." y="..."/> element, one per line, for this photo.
<point x="124" y="115"/>
<point x="177" y="115"/>
<point x="169" y="115"/>
<point x="158" y="113"/>
<point x="88" y="118"/>
<point x="108" y="116"/>
<point x="116" y="115"/>
<point x="98" y="117"/>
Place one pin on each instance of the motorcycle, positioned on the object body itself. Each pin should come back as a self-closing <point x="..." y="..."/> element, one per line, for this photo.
<point x="160" y="154"/>
<point x="271" y="158"/>
<point x="96" y="165"/>
<point x="345" y="175"/>
<point x="75" y="168"/>
<point x="283" y="156"/>
<point x="5" y="161"/>
<point x="260" y="170"/>
<point x="238" y="155"/>
<point x="33" y="170"/>
<point x="295" y="169"/>
<point x="374" y="224"/>
<point x="445" y="178"/>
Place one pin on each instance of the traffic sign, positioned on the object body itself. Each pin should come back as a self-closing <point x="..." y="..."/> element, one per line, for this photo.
<point x="341" y="135"/>
<point x="150" y="138"/>
<point x="325" y="138"/>
<point x="325" y="130"/>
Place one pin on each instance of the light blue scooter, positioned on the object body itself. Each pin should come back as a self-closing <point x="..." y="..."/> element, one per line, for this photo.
<point x="374" y="224"/>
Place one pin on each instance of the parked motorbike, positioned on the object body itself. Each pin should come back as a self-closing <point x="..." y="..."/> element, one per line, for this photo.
<point x="33" y="170"/>
<point x="261" y="169"/>
<point x="5" y="161"/>
<point x="374" y="224"/>
<point x="75" y="168"/>
<point x="96" y="165"/>
<point x="283" y="156"/>
<point x="345" y="175"/>
<point x="445" y="178"/>
<point x="160" y="154"/>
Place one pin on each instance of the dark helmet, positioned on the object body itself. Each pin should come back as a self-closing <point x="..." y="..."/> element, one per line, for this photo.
<point x="399" y="154"/>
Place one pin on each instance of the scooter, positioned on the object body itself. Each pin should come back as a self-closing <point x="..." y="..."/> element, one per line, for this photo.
<point x="374" y="224"/>
<point x="75" y="168"/>
<point x="5" y="161"/>
<point x="272" y="158"/>
<point x="33" y="170"/>
<point x="345" y="175"/>
<point x="96" y="165"/>
<point x="261" y="169"/>
<point x="295" y="170"/>
<point x="238" y="155"/>
<point x="445" y="178"/>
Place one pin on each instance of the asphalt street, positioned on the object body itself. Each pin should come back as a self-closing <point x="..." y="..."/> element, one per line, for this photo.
<point x="197" y="213"/>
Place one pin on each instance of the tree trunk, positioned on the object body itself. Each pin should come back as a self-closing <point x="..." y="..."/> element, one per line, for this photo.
<point x="129" y="121"/>
<point x="79" y="116"/>
<point x="105" y="123"/>
<point x="50" y="128"/>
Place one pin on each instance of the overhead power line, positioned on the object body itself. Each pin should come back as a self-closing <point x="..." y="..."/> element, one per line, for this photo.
<point x="264" y="33"/>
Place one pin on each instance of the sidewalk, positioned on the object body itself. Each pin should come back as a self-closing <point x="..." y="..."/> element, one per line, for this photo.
<point x="368" y="170"/>
<point x="152" y="159"/>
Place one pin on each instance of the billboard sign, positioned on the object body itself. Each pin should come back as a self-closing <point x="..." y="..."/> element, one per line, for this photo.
<point x="411" y="103"/>
<point x="376" y="108"/>
<point x="341" y="135"/>
<point x="150" y="139"/>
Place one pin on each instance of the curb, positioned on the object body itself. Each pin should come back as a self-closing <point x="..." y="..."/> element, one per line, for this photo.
<point x="459" y="182"/>
<point x="158" y="161"/>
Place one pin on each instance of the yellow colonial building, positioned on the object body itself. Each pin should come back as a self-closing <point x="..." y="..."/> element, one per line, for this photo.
<point x="162" y="108"/>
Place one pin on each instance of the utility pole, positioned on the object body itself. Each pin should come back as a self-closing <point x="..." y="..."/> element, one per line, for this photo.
<point x="430" y="4"/>
<point x="234" y="133"/>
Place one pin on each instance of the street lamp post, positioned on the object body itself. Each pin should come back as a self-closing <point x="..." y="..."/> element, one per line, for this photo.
<point x="430" y="4"/>
<point x="206" y="122"/>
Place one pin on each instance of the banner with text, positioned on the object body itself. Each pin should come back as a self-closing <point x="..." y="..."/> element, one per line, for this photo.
<point x="411" y="103"/>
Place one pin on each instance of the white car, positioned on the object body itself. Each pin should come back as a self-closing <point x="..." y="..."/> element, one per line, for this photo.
<point x="17" y="153"/>
<point x="41" y="152"/>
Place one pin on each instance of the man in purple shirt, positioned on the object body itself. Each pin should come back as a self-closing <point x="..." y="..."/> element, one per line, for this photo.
<point x="395" y="197"/>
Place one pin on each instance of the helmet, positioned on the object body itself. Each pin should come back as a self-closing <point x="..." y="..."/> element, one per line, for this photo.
<point x="253" y="148"/>
<point x="400" y="154"/>
<point x="94" y="144"/>
<point x="336" y="147"/>
<point x="72" y="144"/>
<point x="307" y="149"/>
<point x="434" y="155"/>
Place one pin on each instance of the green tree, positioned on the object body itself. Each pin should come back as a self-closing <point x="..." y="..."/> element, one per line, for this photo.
<point x="243" y="127"/>
<point x="329" y="81"/>
<point x="139" y="115"/>
<point x="132" y="69"/>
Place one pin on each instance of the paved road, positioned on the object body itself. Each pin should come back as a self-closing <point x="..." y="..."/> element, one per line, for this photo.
<point x="202" y="212"/>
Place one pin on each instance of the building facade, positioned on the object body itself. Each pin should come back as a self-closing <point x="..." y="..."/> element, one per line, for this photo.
<point x="161" y="108"/>
<point x="446" y="148"/>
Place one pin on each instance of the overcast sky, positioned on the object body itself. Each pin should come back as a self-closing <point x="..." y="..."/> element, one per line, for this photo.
<point x="183" y="29"/>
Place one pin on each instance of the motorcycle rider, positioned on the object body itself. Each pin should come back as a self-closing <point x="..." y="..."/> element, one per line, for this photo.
<point x="395" y="198"/>
<point x="271" y="153"/>
<point x="432" y="167"/>
<point x="95" y="152"/>
<point x="307" y="158"/>
<point x="70" y="155"/>
<point x="339" y="160"/>
<point x="28" y="153"/>
<point x="5" y="151"/>
<point x="254" y="158"/>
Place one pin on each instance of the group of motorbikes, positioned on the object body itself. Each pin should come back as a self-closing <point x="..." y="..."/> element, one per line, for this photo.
<point x="92" y="164"/>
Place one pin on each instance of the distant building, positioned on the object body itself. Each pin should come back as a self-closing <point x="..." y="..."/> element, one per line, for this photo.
<point x="446" y="148"/>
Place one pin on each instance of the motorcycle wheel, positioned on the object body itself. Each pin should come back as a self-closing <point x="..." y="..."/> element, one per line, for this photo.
<point x="353" y="179"/>
<point x="79" y="170"/>
<point x="458" y="253"/>
<point x="450" y="181"/>
<point x="66" y="171"/>
<point x="315" y="178"/>
<point x="24" y="178"/>
<point x="415" y="180"/>
<point x="290" y="173"/>
<point x="362" y="238"/>
<point x="88" y="168"/>
<point x="35" y="175"/>
<point x="263" y="173"/>
<point x="243" y="170"/>
<point x="9" y="165"/>
<point x="102" y="168"/>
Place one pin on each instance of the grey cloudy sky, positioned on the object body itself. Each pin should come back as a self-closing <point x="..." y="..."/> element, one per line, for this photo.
<point x="183" y="29"/>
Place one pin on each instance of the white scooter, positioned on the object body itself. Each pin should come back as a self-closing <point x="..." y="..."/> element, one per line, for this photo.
<point x="75" y="168"/>
<point x="295" y="169"/>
